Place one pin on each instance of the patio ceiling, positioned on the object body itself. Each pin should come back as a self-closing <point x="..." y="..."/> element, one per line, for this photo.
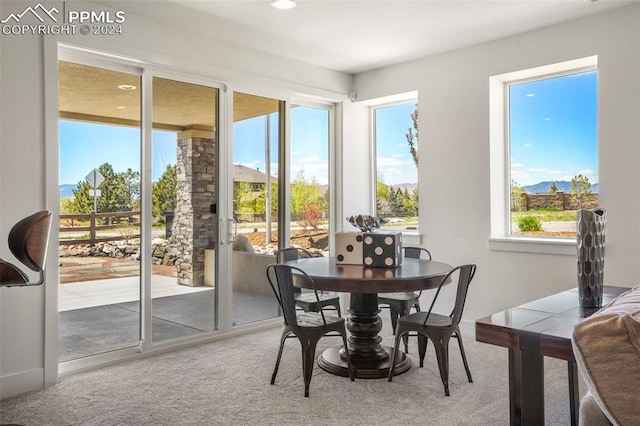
<point x="95" y="95"/>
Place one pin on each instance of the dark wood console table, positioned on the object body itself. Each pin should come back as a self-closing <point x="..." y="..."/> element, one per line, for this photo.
<point x="370" y="359"/>
<point x="530" y="332"/>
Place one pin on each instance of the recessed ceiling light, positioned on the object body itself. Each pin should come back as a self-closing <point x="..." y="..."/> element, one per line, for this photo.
<point x="283" y="4"/>
<point x="126" y="87"/>
<point x="121" y="107"/>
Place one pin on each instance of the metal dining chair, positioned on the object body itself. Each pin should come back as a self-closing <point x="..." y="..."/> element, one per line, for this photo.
<point x="308" y="327"/>
<point x="305" y="300"/>
<point x="401" y="303"/>
<point x="438" y="328"/>
<point x="28" y="241"/>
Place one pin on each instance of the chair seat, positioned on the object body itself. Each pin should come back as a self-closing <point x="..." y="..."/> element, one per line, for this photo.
<point x="403" y="297"/>
<point x="435" y="320"/>
<point x="314" y="319"/>
<point x="311" y="298"/>
<point x="11" y="275"/>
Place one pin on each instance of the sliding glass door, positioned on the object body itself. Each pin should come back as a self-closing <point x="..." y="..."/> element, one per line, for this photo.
<point x="100" y="146"/>
<point x="309" y="176"/>
<point x="183" y="248"/>
<point x="255" y="166"/>
<point x="170" y="214"/>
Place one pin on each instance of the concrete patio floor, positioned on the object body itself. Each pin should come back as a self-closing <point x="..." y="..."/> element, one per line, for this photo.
<point x="99" y="315"/>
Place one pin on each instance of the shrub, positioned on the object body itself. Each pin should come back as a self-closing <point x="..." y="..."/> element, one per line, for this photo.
<point x="529" y="223"/>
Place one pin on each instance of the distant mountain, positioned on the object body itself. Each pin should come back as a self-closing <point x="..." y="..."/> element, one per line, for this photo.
<point x="66" y="190"/>
<point x="408" y="186"/>
<point x="563" y="185"/>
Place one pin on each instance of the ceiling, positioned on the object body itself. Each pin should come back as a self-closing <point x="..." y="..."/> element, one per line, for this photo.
<point x="353" y="36"/>
<point x="92" y="94"/>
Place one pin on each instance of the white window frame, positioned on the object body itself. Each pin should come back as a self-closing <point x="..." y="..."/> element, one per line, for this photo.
<point x="400" y="99"/>
<point x="500" y="183"/>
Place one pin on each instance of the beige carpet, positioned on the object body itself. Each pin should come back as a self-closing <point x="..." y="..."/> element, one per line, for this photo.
<point x="227" y="383"/>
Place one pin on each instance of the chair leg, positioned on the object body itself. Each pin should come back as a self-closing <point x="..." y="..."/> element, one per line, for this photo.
<point x="337" y="306"/>
<point x="404" y="310"/>
<point x="396" y="346"/>
<point x="352" y="373"/>
<point x="275" y="370"/>
<point x="464" y="356"/>
<point x="442" y="354"/>
<point x="308" y="358"/>
<point x="393" y="313"/>
<point x="422" y="347"/>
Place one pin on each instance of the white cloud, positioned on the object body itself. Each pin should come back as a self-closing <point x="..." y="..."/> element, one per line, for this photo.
<point x="528" y="145"/>
<point x="548" y="171"/>
<point x="519" y="174"/>
<point x="530" y="95"/>
<point x="586" y="172"/>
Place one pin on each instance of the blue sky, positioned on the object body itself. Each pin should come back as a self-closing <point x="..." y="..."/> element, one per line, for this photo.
<point x="553" y="129"/>
<point x="309" y="143"/>
<point x="85" y="146"/>
<point x="393" y="160"/>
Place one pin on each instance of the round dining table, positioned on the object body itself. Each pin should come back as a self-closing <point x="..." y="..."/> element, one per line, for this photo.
<point x="370" y="359"/>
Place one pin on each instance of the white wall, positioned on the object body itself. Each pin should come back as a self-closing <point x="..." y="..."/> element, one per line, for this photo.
<point x="454" y="152"/>
<point x="22" y="151"/>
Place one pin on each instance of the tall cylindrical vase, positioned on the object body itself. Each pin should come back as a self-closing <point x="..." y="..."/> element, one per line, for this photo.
<point x="590" y="239"/>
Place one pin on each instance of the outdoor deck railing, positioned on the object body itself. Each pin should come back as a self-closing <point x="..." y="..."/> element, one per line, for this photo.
<point x="126" y="226"/>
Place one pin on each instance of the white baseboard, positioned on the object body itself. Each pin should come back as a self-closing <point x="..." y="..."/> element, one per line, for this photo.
<point x="20" y="383"/>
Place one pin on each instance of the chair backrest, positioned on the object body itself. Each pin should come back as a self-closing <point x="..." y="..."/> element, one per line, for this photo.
<point x="416" y="253"/>
<point x="281" y="279"/>
<point x="291" y="253"/>
<point x="465" y="275"/>
<point x="29" y="238"/>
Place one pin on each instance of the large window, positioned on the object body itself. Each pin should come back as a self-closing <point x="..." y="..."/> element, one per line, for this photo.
<point x="396" y="147"/>
<point x="549" y="137"/>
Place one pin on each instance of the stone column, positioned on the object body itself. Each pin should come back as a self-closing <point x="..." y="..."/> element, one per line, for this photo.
<point x="193" y="225"/>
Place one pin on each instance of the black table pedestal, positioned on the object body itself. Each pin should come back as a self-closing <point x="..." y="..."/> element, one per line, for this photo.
<point x="369" y="358"/>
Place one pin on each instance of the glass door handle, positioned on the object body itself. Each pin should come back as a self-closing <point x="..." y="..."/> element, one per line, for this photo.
<point x="234" y="231"/>
<point x="231" y="230"/>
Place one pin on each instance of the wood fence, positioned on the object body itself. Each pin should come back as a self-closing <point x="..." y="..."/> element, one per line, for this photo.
<point x="111" y="226"/>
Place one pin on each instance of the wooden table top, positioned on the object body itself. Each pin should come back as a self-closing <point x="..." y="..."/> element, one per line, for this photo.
<point x="552" y="318"/>
<point x="411" y="275"/>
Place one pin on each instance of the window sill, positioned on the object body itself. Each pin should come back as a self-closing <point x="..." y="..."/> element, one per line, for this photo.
<point x="561" y="246"/>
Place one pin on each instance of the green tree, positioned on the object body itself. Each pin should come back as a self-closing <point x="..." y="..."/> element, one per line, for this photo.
<point x="382" y="196"/>
<point x="243" y="198"/>
<point x="580" y="188"/>
<point x="119" y="192"/>
<point x="163" y="193"/>
<point x="306" y="199"/>
<point x="81" y="202"/>
<point x="412" y="137"/>
<point x="553" y="188"/>
<point x="518" y="197"/>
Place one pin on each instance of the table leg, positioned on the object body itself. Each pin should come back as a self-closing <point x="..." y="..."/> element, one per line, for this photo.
<point x="526" y="382"/>
<point x="574" y="392"/>
<point x="369" y="357"/>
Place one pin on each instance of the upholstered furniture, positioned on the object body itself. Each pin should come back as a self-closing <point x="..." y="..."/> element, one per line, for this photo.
<point x="606" y="346"/>
<point x="28" y="241"/>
